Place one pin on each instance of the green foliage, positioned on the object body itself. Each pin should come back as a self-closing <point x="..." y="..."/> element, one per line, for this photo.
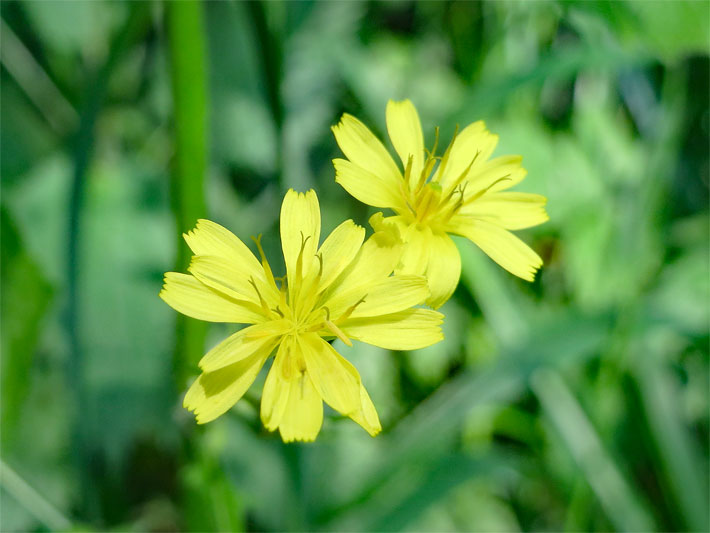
<point x="577" y="402"/>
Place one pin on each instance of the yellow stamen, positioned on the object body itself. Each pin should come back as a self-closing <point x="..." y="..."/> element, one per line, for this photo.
<point x="299" y="261"/>
<point x="445" y="157"/>
<point x="350" y="309"/>
<point x="264" y="262"/>
<point x="428" y="164"/>
<point x="263" y="303"/>
<point x="338" y="332"/>
<point x="463" y="175"/>
<point x="484" y="191"/>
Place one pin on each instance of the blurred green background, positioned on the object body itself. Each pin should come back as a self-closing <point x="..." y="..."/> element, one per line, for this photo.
<point x="578" y="402"/>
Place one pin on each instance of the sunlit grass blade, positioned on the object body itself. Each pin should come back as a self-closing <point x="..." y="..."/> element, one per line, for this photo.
<point x="680" y="458"/>
<point x="32" y="500"/>
<point x="622" y="506"/>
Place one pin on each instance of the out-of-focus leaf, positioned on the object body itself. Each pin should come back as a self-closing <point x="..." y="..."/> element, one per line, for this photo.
<point x="26" y="295"/>
<point x="681" y="463"/>
<point x="75" y="27"/>
<point x="683" y="292"/>
<point x="562" y="64"/>
<point x="212" y="503"/>
<point x="672" y="29"/>
<point x="448" y="472"/>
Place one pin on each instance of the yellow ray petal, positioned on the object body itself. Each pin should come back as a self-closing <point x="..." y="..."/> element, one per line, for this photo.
<point x="300" y="231"/>
<point x="367" y="415"/>
<point x="303" y="414"/>
<point x="443" y="270"/>
<point x="405" y="330"/>
<point x="502" y="246"/>
<point x="377" y="259"/>
<point x="386" y="296"/>
<point x="473" y="142"/>
<point x="209" y="238"/>
<point x="495" y="175"/>
<point x="335" y="379"/>
<point x="364" y="149"/>
<point x="239" y="346"/>
<point x="415" y="255"/>
<point x="405" y="131"/>
<point x="214" y="393"/>
<point x="276" y="390"/>
<point x="339" y="250"/>
<point x="188" y="296"/>
<point x="367" y="187"/>
<point x="510" y="210"/>
<point x="225" y="276"/>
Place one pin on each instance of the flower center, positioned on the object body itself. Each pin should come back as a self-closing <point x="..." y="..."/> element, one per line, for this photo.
<point x="300" y="304"/>
<point x="427" y="202"/>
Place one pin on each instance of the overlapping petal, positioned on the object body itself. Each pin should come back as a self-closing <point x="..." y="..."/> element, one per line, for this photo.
<point x="188" y="296"/>
<point x="290" y="401"/>
<point x="274" y="397"/>
<point x="214" y="393"/>
<point x="241" y="345"/>
<point x="415" y="256"/>
<point x="404" y="330"/>
<point x="366" y="186"/>
<point x="223" y="276"/>
<point x="386" y="296"/>
<point x="377" y="258"/>
<point x="365" y="150"/>
<point x="339" y="250"/>
<point x="209" y="238"/>
<point x="495" y="175"/>
<point x="335" y="379"/>
<point x="443" y="269"/>
<point x="474" y="144"/>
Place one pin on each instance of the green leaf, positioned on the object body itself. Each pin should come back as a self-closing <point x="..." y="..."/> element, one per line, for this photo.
<point x="26" y="296"/>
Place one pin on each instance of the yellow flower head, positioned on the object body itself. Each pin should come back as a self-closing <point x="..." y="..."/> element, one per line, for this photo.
<point x="341" y="289"/>
<point x="461" y="192"/>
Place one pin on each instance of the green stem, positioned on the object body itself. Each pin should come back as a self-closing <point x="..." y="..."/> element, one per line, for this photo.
<point x="186" y="41"/>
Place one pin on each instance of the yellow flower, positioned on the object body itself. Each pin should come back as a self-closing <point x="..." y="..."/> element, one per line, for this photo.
<point x="341" y="289"/>
<point x="464" y="194"/>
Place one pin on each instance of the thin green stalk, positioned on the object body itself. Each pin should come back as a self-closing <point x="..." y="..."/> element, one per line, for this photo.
<point x="186" y="41"/>
<point x="96" y="89"/>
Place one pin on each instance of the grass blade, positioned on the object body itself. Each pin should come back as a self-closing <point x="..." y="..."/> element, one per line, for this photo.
<point x="613" y="491"/>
